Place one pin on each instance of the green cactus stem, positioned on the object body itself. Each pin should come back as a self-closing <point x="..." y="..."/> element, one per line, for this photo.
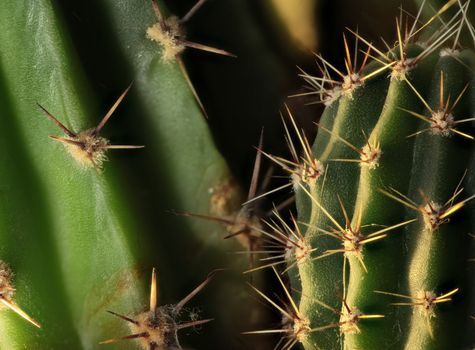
<point x="383" y="212"/>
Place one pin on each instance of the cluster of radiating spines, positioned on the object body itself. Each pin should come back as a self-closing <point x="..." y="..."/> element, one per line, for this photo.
<point x="351" y="233"/>
<point x="294" y="327"/>
<point x="329" y="89"/>
<point x="157" y="327"/>
<point x="287" y="246"/>
<point x="282" y="245"/>
<point x="424" y="302"/>
<point x="170" y="33"/>
<point x="441" y="120"/>
<point x="369" y="154"/>
<point x="245" y="226"/>
<point x="7" y="291"/>
<point x="88" y="147"/>
<point x="246" y="223"/>
<point x="396" y="58"/>
<point x="350" y="317"/>
<point x="304" y="167"/>
<point x="398" y="53"/>
<point x="433" y="214"/>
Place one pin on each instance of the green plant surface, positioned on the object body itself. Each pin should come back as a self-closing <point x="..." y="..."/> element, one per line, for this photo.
<point x="243" y="95"/>
<point x="25" y="227"/>
<point x="376" y="253"/>
<point x="90" y="215"/>
<point x="438" y="257"/>
<point x="85" y="219"/>
<point x="390" y="133"/>
<point x="181" y="171"/>
<point x="324" y="276"/>
<point x="402" y="284"/>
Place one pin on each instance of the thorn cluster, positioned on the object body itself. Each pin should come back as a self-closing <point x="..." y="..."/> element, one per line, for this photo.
<point x="87" y="147"/>
<point x="7" y="291"/>
<point x="157" y="327"/>
<point x="170" y="34"/>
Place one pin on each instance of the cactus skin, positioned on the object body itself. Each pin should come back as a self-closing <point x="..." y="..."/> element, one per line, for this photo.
<point x="86" y="231"/>
<point x="324" y="276"/>
<point x="390" y="131"/>
<point x="410" y="259"/>
<point x="438" y="260"/>
<point x="77" y="249"/>
<point x="96" y="250"/>
<point x="178" y="141"/>
<point x="26" y="229"/>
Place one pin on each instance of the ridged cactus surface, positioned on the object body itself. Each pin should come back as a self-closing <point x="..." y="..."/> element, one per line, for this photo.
<point x="389" y="224"/>
<point x="362" y="238"/>
<point x="76" y="244"/>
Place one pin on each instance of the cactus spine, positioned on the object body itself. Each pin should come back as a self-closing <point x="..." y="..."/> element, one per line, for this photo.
<point x="380" y="253"/>
<point x="391" y="223"/>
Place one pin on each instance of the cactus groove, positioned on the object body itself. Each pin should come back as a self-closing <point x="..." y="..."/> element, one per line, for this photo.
<point x="392" y="225"/>
<point x="374" y="249"/>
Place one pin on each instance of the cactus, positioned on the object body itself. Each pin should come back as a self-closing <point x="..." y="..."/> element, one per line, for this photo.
<point x="158" y="326"/>
<point x="80" y="247"/>
<point x="390" y="221"/>
<point x="377" y="252"/>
